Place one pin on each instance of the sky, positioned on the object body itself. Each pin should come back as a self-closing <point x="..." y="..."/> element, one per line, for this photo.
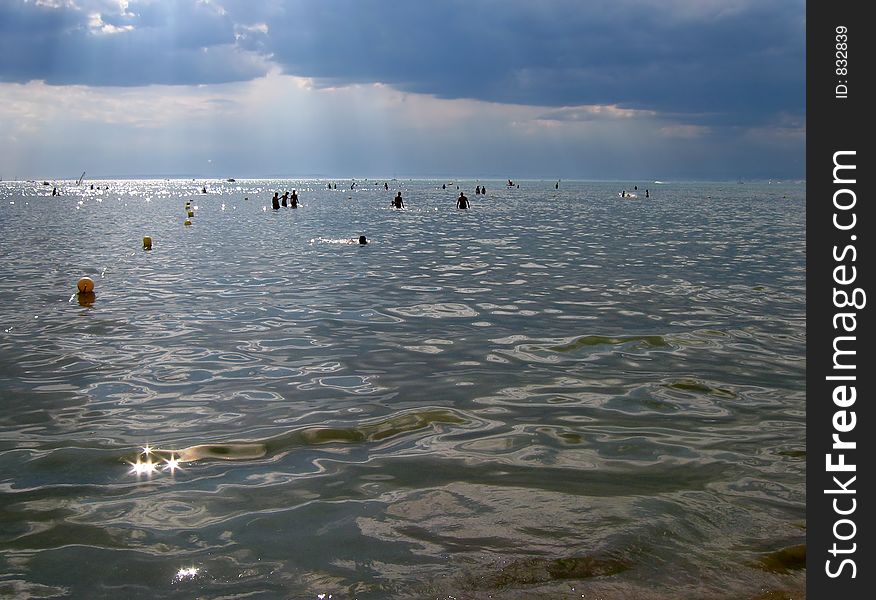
<point x="549" y="89"/>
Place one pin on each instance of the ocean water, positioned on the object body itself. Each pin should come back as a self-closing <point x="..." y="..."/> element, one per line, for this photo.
<point x="558" y="393"/>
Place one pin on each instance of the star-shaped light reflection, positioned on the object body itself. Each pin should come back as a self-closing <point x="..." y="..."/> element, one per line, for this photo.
<point x="171" y="464"/>
<point x="143" y="468"/>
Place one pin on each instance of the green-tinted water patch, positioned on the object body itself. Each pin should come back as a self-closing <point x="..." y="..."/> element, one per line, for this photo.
<point x="543" y="570"/>
<point x="777" y="595"/>
<point x="792" y="558"/>
<point x="793" y="453"/>
<point x="699" y="387"/>
<point x="314" y="436"/>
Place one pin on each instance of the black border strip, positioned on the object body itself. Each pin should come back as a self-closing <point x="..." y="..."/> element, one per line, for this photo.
<point x="838" y="248"/>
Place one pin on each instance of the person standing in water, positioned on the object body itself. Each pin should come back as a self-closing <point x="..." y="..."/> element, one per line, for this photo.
<point x="275" y="201"/>
<point x="294" y="202"/>
<point x="284" y="200"/>
<point x="462" y="202"/>
<point x="647" y="194"/>
<point x="397" y="202"/>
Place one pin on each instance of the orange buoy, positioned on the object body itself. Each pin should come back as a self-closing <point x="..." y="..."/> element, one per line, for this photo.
<point x="85" y="285"/>
<point x="187" y="222"/>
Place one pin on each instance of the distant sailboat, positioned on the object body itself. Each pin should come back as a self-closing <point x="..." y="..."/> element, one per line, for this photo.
<point x="79" y="181"/>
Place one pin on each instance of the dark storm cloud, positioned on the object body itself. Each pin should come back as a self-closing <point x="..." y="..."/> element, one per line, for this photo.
<point x="176" y="43"/>
<point x="727" y="62"/>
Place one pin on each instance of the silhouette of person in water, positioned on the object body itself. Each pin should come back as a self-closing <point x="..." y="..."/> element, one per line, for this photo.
<point x="557" y="186"/>
<point x="385" y="186"/>
<point x="397" y="202"/>
<point x="647" y="194"/>
<point x="275" y="201"/>
<point x="363" y="240"/>
<point x="462" y="201"/>
<point x="55" y="191"/>
<point x="443" y="186"/>
<point x="294" y="202"/>
<point x="483" y="190"/>
<point x="285" y="198"/>
<point x="478" y="191"/>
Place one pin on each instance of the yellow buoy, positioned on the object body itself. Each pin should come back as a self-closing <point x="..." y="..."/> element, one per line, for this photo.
<point x="147" y="243"/>
<point x="85" y="285"/>
<point x="187" y="222"/>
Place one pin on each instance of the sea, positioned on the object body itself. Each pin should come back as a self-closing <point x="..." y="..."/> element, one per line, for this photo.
<point x="561" y="392"/>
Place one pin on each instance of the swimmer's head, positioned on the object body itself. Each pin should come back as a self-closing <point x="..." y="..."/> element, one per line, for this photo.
<point x="363" y="239"/>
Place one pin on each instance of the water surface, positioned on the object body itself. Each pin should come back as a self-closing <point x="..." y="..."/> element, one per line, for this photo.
<point x="558" y="393"/>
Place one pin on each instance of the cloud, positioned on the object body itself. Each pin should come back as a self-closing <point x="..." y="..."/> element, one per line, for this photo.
<point x="600" y="88"/>
<point x="102" y="43"/>
<point x="711" y="58"/>
<point x="273" y="124"/>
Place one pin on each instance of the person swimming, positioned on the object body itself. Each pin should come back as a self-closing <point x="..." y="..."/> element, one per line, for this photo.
<point x="397" y="202"/>
<point x="363" y="240"/>
<point x="462" y="202"/>
<point x="294" y="202"/>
